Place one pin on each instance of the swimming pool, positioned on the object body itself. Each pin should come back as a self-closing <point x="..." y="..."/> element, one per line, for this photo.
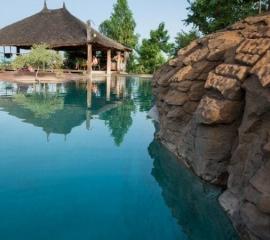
<point x="79" y="161"/>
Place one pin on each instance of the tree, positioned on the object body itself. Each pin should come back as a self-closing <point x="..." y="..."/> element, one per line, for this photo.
<point x="183" y="39"/>
<point x="154" y="51"/>
<point x="121" y="25"/>
<point x="39" y="57"/>
<point x="212" y="15"/>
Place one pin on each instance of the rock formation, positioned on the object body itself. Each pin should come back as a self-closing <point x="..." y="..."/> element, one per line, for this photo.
<point x="213" y="102"/>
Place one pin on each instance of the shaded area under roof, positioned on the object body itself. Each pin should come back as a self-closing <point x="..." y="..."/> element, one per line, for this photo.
<point x="58" y="28"/>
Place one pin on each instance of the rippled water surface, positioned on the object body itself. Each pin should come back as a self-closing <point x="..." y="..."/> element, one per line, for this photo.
<point x="78" y="161"/>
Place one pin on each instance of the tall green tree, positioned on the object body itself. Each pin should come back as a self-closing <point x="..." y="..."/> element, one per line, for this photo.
<point x="154" y="51"/>
<point x="212" y="15"/>
<point x="121" y="25"/>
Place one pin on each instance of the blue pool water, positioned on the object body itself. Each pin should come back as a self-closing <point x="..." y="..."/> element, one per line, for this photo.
<point x="79" y="161"/>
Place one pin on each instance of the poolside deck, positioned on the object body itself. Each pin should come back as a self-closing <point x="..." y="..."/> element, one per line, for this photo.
<point x="58" y="77"/>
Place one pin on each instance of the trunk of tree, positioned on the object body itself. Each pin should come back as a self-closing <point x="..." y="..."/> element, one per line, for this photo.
<point x="268" y="5"/>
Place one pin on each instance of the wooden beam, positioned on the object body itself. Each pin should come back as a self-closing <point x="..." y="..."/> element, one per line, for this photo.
<point x="109" y="61"/>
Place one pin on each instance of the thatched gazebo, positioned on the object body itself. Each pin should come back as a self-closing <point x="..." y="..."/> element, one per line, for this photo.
<point x="62" y="31"/>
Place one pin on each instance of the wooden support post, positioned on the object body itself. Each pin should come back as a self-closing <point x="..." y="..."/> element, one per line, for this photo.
<point x="89" y="49"/>
<point x="89" y="58"/>
<point x="109" y="61"/>
<point x="118" y="61"/>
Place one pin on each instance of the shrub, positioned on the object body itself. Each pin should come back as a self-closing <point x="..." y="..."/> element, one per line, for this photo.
<point x="39" y="57"/>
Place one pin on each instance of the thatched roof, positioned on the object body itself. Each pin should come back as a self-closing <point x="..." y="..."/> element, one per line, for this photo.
<point x="58" y="28"/>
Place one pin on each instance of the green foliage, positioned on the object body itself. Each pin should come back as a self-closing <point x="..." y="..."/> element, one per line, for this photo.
<point x="39" y="57"/>
<point x="4" y="66"/>
<point x="183" y="39"/>
<point x="154" y="51"/>
<point x="212" y="15"/>
<point x="121" y="25"/>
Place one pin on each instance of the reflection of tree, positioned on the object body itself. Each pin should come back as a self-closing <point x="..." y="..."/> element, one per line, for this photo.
<point x="145" y="95"/>
<point x="41" y="105"/>
<point x="193" y="203"/>
<point x="119" y="120"/>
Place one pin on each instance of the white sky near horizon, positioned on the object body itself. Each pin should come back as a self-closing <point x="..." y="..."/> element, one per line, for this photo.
<point x="147" y="13"/>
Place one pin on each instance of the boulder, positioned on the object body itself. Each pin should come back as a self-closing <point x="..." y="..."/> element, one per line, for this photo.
<point x="230" y="88"/>
<point x="233" y="71"/>
<point x="182" y="74"/>
<point x="262" y="70"/>
<point x="213" y="102"/>
<point x="213" y="111"/>
<point x="248" y="59"/>
<point x="220" y="43"/>
<point x="254" y="46"/>
<point x="196" y="56"/>
<point x="189" y="49"/>
<point x="264" y="204"/>
<point x="176" y="98"/>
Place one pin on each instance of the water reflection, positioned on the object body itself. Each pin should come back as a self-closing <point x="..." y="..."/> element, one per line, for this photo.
<point x="60" y="107"/>
<point x="98" y="190"/>
<point x="192" y="202"/>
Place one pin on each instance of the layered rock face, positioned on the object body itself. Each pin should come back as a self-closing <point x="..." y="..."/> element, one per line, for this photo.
<point x="213" y="102"/>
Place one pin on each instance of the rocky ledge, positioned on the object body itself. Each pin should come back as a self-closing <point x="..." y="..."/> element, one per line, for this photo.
<point x="213" y="102"/>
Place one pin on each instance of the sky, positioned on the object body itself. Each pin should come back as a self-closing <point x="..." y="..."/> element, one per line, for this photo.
<point x="147" y="13"/>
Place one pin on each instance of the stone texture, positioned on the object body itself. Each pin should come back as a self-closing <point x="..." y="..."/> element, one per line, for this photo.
<point x="182" y="86"/>
<point x="232" y="71"/>
<point x="213" y="102"/>
<point x="176" y="98"/>
<point x="214" y="111"/>
<point x="230" y="88"/>
<point x="189" y="49"/>
<point x="220" y="43"/>
<point x="248" y="59"/>
<point x="190" y="107"/>
<point x="254" y="46"/>
<point x="261" y="181"/>
<point x="182" y="74"/>
<point x="262" y="70"/>
<point x="196" y="56"/>
<point x="196" y="91"/>
<point x="264" y="204"/>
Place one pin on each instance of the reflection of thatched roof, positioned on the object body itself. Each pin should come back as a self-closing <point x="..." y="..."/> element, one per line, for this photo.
<point x="58" y="28"/>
